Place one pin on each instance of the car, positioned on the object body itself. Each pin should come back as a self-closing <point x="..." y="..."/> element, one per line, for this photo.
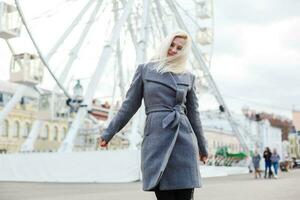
<point x="296" y="163"/>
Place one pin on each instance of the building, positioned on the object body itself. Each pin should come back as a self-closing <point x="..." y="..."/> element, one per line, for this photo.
<point x="218" y="132"/>
<point x="17" y="125"/>
<point x="296" y="120"/>
<point x="281" y="122"/>
<point x="294" y="145"/>
<point x="256" y="134"/>
<point x="218" y="138"/>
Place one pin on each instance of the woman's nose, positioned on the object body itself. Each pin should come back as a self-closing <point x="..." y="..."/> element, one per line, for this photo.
<point x="173" y="49"/>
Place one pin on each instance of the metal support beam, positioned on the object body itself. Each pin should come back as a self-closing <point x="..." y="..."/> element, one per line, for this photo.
<point x="61" y="40"/>
<point x="68" y="143"/>
<point x="160" y="14"/>
<point x="76" y="48"/>
<point x="119" y="56"/>
<point x="12" y="103"/>
<point x="28" y="145"/>
<point x="74" y="51"/>
<point x="44" y="61"/>
<point x="210" y="80"/>
<point x="139" y="118"/>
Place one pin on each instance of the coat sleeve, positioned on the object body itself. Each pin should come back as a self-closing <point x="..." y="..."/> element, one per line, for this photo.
<point x="194" y="117"/>
<point x="128" y="108"/>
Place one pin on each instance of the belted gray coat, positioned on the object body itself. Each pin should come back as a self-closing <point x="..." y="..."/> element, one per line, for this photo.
<point x="173" y="135"/>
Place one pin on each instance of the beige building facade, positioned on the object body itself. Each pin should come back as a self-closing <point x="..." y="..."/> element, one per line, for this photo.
<point x="296" y="119"/>
<point x="294" y="145"/>
<point x="17" y="126"/>
<point x="217" y="138"/>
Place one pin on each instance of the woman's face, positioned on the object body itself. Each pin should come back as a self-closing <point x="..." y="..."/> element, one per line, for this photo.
<point x="176" y="46"/>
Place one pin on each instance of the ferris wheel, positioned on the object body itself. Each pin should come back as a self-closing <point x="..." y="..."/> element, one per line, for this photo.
<point x="100" y="42"/>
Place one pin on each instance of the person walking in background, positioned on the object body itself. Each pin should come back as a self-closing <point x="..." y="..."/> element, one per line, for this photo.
<point x="275" y="162"/>
<point x="268" y="164"/>
<point x="173" y="135"/>
<point x="256" y="160"/>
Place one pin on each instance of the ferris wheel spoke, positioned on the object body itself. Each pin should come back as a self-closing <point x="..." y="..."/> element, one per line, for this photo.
<point x="187" y="14"/>
<point x="141" y="54"/>
<point x="76" y="48"/>
<point x="68" y="30"/>
<point x="211" y="82"/>
<point x="155" y="21"/>
<point x="53" y="11"/>
<point x="160" y="14"/>
<point x="68" y="143"/>
<point x="44" y="61"/>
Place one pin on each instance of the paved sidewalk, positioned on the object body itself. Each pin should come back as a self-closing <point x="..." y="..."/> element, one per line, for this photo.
<point x="237" y="187"/>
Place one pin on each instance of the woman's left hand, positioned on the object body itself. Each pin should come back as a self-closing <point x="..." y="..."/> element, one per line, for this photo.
<point x="102" y="142"/>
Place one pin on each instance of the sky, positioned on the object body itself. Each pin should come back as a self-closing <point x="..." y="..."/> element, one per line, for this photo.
<point x="256" y="52"/>
<point x="256" y="56"/>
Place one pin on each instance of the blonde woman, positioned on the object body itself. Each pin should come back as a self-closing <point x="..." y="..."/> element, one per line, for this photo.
<point x="173" y="136"/>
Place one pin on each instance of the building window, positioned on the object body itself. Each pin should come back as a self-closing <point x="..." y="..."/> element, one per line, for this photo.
<point x="27" y="130"/>
<point x="16" y="129"/>
<point x="55" y="138"/>
<point x="1" y="98"/>
<point x="5" y="128"/>
<point x="45" y="133"/>
<point x="6" y="98"/>
<point x="64" y="133"/>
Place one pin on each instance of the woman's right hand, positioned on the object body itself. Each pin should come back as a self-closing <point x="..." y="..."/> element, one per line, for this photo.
<point x="101" y="142"/>
<point x="203" y="159"/>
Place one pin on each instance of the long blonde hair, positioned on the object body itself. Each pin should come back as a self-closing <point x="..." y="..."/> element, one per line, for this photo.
<point x="176" y="63"/>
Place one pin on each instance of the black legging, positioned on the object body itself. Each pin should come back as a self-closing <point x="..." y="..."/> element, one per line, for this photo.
<point x="180" y="194"/>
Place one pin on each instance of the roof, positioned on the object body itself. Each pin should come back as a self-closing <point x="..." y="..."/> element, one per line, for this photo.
<point x="11" y="88"/>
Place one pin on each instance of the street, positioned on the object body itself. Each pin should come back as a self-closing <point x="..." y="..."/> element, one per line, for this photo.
<point x="235" y="187"/>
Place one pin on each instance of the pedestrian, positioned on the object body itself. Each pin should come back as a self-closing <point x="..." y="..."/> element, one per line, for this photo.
<point x="173" y="139"/>
<point x="256" y="160"/>
<point x="268" y="164"/>
<point x="275" y="162"/>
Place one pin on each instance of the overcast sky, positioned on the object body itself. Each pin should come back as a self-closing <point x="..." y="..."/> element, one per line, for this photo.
<point x="256" y="54"/>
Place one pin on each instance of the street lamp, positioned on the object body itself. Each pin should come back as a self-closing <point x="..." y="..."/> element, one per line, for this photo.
<point x="78" y="90"/>
<point x="77" y="99"/>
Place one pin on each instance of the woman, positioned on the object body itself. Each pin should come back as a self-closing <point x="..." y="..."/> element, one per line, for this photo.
<point x="256" y="160"/>
<point x="173" y="136"/>
<point x="275" y="162"/>
<point x="268" y="163"/>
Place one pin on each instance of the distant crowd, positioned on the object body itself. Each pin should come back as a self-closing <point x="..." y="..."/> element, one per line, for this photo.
<point x="271" y="163"/>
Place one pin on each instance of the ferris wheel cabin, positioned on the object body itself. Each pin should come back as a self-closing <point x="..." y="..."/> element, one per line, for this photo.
<point x="204" y="9"/>
<point x="26" y="68"/>
<point x="10" y="21"/>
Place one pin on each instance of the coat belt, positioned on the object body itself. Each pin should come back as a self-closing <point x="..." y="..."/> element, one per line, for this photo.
<point x="173" y="118"/>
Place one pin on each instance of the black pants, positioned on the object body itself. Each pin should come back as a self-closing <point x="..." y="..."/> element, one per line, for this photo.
<point x="180" y="194"/>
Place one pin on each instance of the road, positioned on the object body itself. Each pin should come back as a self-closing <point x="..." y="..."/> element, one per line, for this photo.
<point x="236" y="187"/>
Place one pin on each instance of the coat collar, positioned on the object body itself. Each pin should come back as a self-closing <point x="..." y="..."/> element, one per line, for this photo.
<point x="168" y="79"/>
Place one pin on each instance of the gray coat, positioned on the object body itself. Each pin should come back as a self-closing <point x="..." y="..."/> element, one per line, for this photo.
<point x="256" y="160"/>
<point x="173" y="135"/>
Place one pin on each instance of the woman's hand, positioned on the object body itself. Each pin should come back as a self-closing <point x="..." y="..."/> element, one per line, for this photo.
<point x="101" y="142"/>
<point x="203" y="159"/>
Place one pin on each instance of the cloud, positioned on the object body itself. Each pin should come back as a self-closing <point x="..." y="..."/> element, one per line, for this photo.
<point x="255" y="12"/>
<point x="256" y="60"/>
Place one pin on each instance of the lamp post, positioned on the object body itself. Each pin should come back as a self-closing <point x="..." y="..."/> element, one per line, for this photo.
<point x="260" y="139"/>
<point x="75" y="102"/>
<point x="78" y="90"/>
